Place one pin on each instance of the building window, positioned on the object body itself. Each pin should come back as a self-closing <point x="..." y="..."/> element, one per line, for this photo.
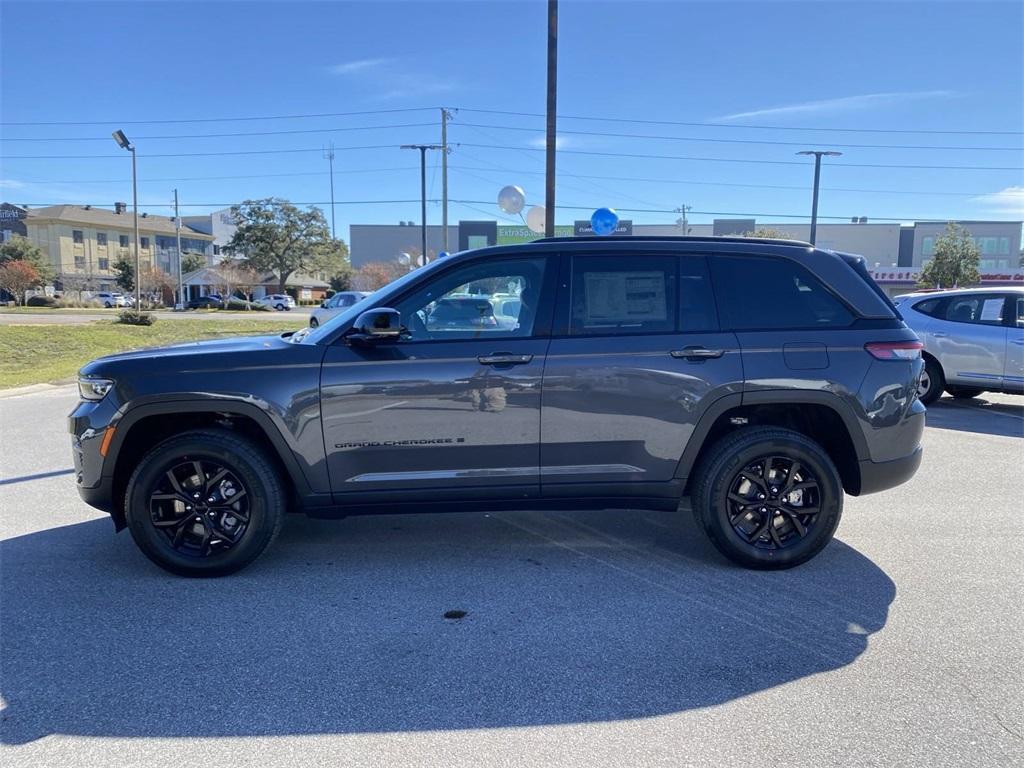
<point x="79" y="262"/>
<point x="77" y="236"/>
<point x="928" y="246"/>
<point x="104" y="264"/>
<point x="144" y="243"/>
<point x="122" y="240"/>
<point x="101" y="239"/>
<point x="216" y="249"/>
<point x="1004" y="246"/>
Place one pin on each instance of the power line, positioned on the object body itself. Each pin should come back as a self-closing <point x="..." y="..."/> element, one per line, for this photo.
<point x="198" y="154"/>
<point x="226" y="135"/>
<point x="565" y="205"/>
<point x="743" y="141"/>
<point x="748" y="160"/>
<point x="227" y="119"/>
<point x="747" y="125"/>
<point x="221" y="178"/>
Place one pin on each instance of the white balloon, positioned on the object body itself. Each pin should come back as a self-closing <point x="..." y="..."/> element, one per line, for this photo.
<point x="404" y="259"/>
<point x="536" y="219"/>
<point x="511" y="199"/>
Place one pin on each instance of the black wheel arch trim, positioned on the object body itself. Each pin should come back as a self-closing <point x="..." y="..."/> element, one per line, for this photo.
<point x="768" y="397"/>
<point x="167" y="406"/>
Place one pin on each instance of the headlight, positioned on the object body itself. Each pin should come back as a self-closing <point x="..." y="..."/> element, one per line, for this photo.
<point x="94" y="389"/>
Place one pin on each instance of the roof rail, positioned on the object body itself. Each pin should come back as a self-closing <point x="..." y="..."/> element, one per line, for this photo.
<point x="674" y="238"/>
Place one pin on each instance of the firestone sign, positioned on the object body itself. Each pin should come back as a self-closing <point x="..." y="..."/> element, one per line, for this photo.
<point x="912" y="276"/>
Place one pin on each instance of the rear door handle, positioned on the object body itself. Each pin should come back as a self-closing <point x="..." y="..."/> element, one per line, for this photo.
<point x="696" y="353"/>
<point x="504" y="358"/>
<point x="939" y="334"/>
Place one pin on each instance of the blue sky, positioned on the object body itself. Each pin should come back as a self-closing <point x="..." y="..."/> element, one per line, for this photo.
<point x="897" y="66"/>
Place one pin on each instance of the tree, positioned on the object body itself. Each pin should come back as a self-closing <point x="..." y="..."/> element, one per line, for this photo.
<point x="237" y="275"/>
<point x="768" y="233"/>
<point x="955" y="262"/>
<point x="16" y="277"/>
<point x="190" y="262"/>
<point x="125" y="275"/>
<point x="376" y="275"/>
<point x="275" y="236"/>
<point x="342" y="279"/>
<point x="156" y="281"/>
<point x="20" y="248"/>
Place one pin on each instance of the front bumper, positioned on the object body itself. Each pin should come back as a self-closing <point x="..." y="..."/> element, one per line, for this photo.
<point x="881" y="475"/>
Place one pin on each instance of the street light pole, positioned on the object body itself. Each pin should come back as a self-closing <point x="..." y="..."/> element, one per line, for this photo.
<point x="423" y="191"/>
<point x="329" y="154"/>
<point x="818" y="154"/>
<point x="123" y="143"/>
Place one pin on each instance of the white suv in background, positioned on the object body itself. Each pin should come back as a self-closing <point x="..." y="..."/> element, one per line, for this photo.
<point x="973" y="340"/>
<point x="278" y="301"/>
<point x="334" y="305"/>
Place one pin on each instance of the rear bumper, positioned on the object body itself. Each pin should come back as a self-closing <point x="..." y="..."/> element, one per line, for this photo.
<point x="881" y="475"/>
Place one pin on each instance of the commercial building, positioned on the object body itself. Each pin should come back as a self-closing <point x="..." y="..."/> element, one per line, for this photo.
<point x="895" y="253"/>
<point x="219" y="224"/>
<point x="83" y="242"/>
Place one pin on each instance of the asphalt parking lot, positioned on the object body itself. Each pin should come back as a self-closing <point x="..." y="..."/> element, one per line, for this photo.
<point x="598" y="638"/>
<point x="70" y="317"/>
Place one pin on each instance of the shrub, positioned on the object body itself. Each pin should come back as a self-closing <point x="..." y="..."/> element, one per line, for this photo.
<point x="131" y="317"/>
<point x="41" y="301"/>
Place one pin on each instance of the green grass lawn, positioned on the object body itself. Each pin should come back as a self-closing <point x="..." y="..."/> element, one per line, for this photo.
<point x="35" y="354"/>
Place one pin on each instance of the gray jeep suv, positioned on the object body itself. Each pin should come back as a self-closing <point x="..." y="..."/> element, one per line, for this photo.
<point x="762" y="379"/>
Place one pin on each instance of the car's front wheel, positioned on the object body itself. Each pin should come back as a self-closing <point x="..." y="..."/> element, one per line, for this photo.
<point x="964" y="393"/>
<point x="204" y="503"/>
<point x="768" y="498"/>
<point x="279" y="307"/>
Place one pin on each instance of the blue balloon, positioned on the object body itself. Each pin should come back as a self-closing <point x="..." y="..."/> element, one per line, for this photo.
<point x="604" y="221"/>
<point x="442" y="254"/>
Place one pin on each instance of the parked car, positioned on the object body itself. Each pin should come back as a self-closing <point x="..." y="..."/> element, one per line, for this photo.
<point x="110" y="300"/>
<point x="759" y="378"/>
<point x="973" y="340"/>
<point x="206" y="302"/>
<point x="278" y="301"/>
<point x="332" y="306"/>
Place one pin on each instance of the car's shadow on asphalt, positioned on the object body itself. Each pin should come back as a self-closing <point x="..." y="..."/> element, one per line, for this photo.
<point x="340" y="627"/>
<point x="979" y="415"/>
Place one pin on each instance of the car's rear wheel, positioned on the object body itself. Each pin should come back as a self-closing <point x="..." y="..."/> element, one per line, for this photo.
<point x="768" y="498"/>
<point x="313" y="322"/>
<point x="204" y="503"/>
<point x="279" y="307"/>
<point x="964" y="393"/>
<point x="931" y="383"/>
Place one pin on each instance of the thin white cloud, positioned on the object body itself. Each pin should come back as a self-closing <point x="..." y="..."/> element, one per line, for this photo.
<point x="1008" y="201"/>
<point x="11" y="184"/>
<point x="561" y="142"/>
<point x="402" y="85"/>
<point x="359" y="65"/>
<point x="842" y="104"/>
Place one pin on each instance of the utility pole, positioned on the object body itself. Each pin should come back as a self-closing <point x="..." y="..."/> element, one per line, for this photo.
<point x="329" y="154"/>
<point x="123" y="143"/>
<point x="682" y="209"/>
<point x="423" y="191"/>
<point x="549" y="169"/>
<point x="445" y="114"/>
<point x="818" y="154"/>
<point x="177" y="236"/>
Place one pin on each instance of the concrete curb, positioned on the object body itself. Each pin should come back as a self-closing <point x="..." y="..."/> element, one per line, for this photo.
<point x="32" y="389"/>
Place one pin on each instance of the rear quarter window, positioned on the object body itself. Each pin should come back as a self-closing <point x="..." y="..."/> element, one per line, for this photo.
<point x="928" y="307"/>
<point x="760" y="292"/>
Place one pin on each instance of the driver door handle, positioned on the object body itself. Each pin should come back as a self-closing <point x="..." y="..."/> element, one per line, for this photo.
<point x="504" y="358"/>
<point x="697" y="353"/>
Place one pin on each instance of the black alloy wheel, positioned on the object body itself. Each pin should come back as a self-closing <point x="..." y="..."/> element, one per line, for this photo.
<point x="774" y="502"/>
<point x="201" y="507"/>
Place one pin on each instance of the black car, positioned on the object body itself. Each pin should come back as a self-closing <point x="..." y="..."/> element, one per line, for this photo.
<point x="762" y="379"/>
<point x="206" y="302"/>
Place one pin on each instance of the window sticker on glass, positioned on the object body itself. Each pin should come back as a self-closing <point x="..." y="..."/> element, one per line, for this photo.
<point x="625" y="297"/>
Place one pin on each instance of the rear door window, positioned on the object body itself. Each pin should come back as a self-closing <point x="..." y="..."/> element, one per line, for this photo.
<point x="614" y="295"/>
<point x="759" y="293"/>
<point x="977" y="309"/>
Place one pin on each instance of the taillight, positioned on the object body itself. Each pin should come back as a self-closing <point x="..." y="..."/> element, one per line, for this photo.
<point x="895" y="350"/>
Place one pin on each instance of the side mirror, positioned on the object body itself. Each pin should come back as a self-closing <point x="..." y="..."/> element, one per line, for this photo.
<point x="323" y="305"/>
<point x="374" y="325"/>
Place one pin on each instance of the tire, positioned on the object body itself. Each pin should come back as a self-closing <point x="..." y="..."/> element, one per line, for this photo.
<point x="279" y="307"/>
<point x="932" y="382"/>
<point x="313" y="322"/>
<point x="233" y="532"/>
<point x="964" y="393"/>
<point x="107" y="305"/>
<point x="742" y="532"/>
